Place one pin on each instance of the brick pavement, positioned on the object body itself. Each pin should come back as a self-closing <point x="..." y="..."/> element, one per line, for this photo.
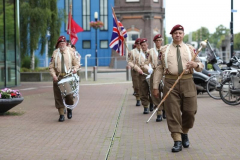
<point x="105" y="110"/>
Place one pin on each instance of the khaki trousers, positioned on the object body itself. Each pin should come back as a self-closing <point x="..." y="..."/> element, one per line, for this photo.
<point x="58" y="98"/>
<point x="144" y="90"/>
<point x="135" y="82"/>
<point x="180" y="105"/>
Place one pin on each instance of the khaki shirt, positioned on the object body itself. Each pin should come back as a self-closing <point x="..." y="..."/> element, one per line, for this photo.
<point x="152" y="59"/>
<point x="140" y="61"/>
<point x="172" y="60"/>
<point x="55" y="64"/>
<point x="132" y="57"/>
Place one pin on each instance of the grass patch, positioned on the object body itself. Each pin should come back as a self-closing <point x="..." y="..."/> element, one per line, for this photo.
<point x="12" y="113"/>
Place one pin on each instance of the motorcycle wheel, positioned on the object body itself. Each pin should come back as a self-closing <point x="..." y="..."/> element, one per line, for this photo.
<point x="225" y="94"/>
<point x="212" y="88"/>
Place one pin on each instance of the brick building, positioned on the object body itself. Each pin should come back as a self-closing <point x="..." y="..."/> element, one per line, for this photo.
<point x="141" y="18"/>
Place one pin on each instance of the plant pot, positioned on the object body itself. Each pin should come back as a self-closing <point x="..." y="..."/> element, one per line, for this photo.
<point x="7" y="104"/>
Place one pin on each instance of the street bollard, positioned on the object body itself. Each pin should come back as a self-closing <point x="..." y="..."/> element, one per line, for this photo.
<point x="128" y="72"/>
<point x="95" y="73"/>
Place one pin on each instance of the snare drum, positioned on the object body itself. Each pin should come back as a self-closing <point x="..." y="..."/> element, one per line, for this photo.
<point x="68" y="85"/>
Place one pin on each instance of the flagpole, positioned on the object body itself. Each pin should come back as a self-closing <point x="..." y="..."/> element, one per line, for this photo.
<point x="69" y="22"/>
<point x="115" y="18"/>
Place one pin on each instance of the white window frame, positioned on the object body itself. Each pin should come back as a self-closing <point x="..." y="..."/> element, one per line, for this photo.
<point x="132" y="0"/>
<point x="131" y="42"/>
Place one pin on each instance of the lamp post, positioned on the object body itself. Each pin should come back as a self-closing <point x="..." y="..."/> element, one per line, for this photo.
<point x="231" y="30"/>
<point x="96" y="18"/>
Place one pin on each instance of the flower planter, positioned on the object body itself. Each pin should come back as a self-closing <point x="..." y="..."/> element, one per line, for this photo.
<point x="7" y="104"/>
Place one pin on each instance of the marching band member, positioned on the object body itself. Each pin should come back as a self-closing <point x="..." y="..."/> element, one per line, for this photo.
<point x="143" y="85"/>
<point x="63" y="59"/>
<point x="132" y="62"/>
<point x="181" y="103"/>
<point x="153" y="57"/>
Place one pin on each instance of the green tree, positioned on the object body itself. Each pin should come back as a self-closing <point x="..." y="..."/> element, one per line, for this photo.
<point x="236" y="42"/>
<point x="198" y="35"/>
<point x="36" y="18"/>
<point x="217" y="37"/>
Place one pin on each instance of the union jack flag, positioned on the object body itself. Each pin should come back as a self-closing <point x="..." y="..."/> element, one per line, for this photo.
<point x="118" y="36"/>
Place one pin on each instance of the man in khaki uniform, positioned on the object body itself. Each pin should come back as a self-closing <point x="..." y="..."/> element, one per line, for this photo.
<point x="181" y="103"/>
<point x="63" y="59"/>
<point x="143" y="85"/>
<point x="153" y="55"/>
<point x="132" y="62"/>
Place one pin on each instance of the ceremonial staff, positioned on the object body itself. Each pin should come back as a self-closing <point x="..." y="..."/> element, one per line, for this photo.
<point x="203" y="45"/>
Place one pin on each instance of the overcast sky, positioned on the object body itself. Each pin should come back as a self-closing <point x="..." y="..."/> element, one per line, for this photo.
<point x="194" y="14"/>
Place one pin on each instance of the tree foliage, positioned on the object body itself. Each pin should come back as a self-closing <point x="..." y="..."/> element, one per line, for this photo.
<point x="36" y="18"/>
<point x="198" y="35"/>
<point x="236" y="41"/>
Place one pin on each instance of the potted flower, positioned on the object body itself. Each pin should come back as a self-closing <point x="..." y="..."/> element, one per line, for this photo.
<point x="9" y="98"/>
<point x="96" y="24"/>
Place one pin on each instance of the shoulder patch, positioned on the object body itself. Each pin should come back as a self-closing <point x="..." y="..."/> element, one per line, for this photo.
<point x="129" y="54"/>
<point x="51" y="59"/>
<point x="194" y="50"/>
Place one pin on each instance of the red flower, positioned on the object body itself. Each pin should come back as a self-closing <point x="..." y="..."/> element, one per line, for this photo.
<point x="13" y="94"/>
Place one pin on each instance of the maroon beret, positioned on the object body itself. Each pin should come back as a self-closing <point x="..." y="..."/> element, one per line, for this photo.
<point x="138" y="40"/>
<point x="157" y="36"/>
<point x="143" y="40"/>
<point x="177" y="27"/>
<point x="60" y="39"/>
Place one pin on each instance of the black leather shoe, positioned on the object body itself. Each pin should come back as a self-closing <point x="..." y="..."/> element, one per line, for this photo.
<point x="151" y="107"/>
<point x="164" y="114"/>
<point x="185" y="140"/>
<point x="146" y="111"/>
<point x="138" y="103"/>
<point x="61" y="118"/>
<point x="177" y="146"/>
<point x="69" y="113"/>
<point x="159" y="118"/>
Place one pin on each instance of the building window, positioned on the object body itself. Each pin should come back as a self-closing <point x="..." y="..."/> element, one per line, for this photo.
<point x="86" y="44"/>
<point x="132" y="36"/>
<point x="104" y="14"/>
<point x="155" y="0"/>
<point x="104" y="44"/>
<point x="132" y="0"/>
<point x="86" y="14"/>
<point x="67" y="7"/>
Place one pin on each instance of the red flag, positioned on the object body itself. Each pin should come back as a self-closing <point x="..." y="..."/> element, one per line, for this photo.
<point x="73" y="29"/>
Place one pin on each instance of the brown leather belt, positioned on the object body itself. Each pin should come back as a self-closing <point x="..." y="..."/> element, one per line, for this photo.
<point x="185" y="76"/>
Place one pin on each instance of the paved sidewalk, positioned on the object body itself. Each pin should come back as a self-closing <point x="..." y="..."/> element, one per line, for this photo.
<point x="106" y="124"/>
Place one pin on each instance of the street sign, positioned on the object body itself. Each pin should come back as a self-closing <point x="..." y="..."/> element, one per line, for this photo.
<point x="233" y="10"/>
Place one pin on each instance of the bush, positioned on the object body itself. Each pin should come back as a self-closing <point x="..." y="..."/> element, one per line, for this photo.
<point x="26" y="62"/>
